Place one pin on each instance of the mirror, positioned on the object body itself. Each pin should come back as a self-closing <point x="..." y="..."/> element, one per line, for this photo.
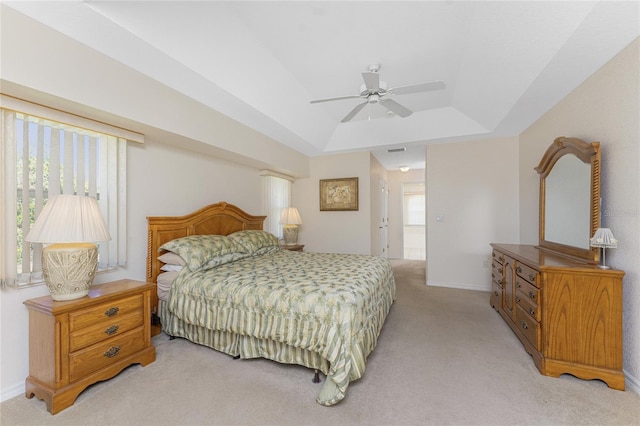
<point x="570" y="197"/>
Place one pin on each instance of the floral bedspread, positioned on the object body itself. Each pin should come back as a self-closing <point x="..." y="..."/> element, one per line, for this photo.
<point x="333" y="305"/>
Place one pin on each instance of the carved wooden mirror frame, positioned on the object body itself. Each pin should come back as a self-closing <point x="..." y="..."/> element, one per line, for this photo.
<point x="588" y="153"/>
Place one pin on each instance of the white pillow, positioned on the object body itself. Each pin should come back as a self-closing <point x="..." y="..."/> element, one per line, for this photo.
<point x="171" y="268"/>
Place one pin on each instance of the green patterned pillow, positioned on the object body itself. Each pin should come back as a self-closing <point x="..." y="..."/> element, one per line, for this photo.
<point x="256" y="242"/>
<point x="206" y="251"/>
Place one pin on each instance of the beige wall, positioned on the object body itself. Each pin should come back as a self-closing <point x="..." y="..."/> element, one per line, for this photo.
<point x="474" y="187"/>
<point x="605" y="108"/>
<point x="335" y="231"/>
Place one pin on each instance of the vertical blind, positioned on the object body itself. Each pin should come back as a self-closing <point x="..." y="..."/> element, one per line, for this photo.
<point x="277" y="196"/>
<point x="42" y="158"/>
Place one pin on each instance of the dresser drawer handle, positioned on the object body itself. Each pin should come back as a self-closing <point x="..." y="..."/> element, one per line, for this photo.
<point x="532" y="278"/>
<point x="113" y="351"/>
<point x="517" y="299"/>
<point x="519" y="270"/>
<point x="518" y="285"/>
<point x="524" y="325"/>
<point x="532" y="311"/>
<point x="496" y="293"/>
<point x="111" y="312"/>
<point x="532" y="295"/>
<point x="112" y="330"/>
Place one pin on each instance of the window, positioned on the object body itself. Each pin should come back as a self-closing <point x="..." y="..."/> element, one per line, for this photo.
<point x="42" y="157"/>
<point x="277" y="196"/>
<point x="414" y="209"/>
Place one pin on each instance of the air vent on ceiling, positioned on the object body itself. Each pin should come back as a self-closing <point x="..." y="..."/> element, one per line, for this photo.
<point x="396" y="149"/>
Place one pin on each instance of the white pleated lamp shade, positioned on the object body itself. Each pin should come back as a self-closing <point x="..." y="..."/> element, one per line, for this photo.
<point x="603" y="238"/>
<point x="69" y="219"/>
<point x="290" y="216"/>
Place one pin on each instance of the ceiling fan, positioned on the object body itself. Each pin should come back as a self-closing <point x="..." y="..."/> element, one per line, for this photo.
<point x="375" y="91"/>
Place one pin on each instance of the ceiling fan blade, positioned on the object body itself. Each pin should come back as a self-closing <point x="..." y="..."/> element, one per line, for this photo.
<point x="371" y="81"/>
<point x="392" y="105"/>
<point x="354" y="111"/>
<point x="421" y="87"/>
<point x="339" y="98"/>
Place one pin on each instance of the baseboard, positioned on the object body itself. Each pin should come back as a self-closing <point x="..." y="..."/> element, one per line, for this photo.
<point x="631" y="383"/>
<point x="12" y="391"/>
<point x="461" y="286"/>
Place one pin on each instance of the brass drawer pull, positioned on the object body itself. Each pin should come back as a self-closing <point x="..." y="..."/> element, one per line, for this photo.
<point x="519" y="270"/>
<point x="113" y="351"/>
<point x="111" y="312"/>
<point x="517" y="299"/>
<point x="532" y="295"/>
<point x="524" y="325"/>
<point x="112" y="330"/>
<point x="532" y="311"/>
<point x="532" y="278"/>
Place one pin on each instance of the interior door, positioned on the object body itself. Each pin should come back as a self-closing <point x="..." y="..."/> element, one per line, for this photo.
<point x="383" y="218"/>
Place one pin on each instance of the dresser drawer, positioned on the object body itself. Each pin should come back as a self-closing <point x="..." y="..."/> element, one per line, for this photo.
<point x="527" y="290"/>
<point x="106" y="312"/>
<point x="527" y="273"/>
<point x="116" y="326"/>
<point x="100" y="355"/>
<point x="496" y="294"/>
<point x="529" y="327"/>
<point x="528" y="305"/>
<point x="497" y="256"/>
<point x="497" y="272"/>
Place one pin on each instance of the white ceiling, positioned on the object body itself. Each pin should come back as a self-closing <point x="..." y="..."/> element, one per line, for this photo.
<point x="261" y="63"/>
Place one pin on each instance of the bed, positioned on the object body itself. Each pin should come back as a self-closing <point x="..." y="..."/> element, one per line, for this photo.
<point x="225" y="283"/>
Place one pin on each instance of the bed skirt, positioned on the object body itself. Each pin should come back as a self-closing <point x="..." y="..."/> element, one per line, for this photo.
<point x="247" y="347"/>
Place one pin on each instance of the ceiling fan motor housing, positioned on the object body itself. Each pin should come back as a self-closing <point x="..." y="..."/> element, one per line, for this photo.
<point x="364" y="92"/>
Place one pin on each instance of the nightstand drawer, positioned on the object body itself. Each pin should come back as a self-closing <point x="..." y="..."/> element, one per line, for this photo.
<point x="93" y="358"/>
<point x="104" y="330"/>
<point x="106" y="312"/>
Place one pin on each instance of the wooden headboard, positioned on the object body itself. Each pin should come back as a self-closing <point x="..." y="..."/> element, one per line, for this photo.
<point x="216" y="219"/>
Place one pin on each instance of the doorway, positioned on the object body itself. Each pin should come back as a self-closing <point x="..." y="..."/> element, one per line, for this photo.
<point x="414" y="219"/>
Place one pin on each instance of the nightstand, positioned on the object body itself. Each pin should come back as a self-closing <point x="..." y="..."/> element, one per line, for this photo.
<point x="76" y="343"/>
<point x="293" y="247"/>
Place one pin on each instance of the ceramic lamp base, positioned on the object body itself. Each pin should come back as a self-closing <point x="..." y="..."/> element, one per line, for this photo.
<point x="290" y="234"/>
<point x="69" y="269"/>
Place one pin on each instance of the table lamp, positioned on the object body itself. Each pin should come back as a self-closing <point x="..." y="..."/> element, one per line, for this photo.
<point x="290" y="219"/>
<point x="603" y="239"/>
<point x="70" y="225"/>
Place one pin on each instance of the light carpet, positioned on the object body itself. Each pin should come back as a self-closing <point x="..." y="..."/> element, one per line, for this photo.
<point x="444" y="357"/>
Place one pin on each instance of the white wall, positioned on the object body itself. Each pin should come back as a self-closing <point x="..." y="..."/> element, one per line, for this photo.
<point x="335" y="231"/>
<point x="605" y="108"/>
<point x="395" y="180"/>
<point x="80" y="80"/>
<point x="474" y="187"/>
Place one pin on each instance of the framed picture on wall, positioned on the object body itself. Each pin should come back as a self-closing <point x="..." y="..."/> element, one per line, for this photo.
<point x="339" y="194"/>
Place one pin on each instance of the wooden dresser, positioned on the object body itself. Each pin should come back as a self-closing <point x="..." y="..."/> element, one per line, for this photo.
<point x="567" y="313"/>
<point x="76" y="343"/>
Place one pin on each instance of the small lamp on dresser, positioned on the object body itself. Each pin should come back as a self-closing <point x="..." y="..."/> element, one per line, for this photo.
<point x="290" y="219"/>
<point x="603" y="239"/>
<point x="71" y="225"/>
